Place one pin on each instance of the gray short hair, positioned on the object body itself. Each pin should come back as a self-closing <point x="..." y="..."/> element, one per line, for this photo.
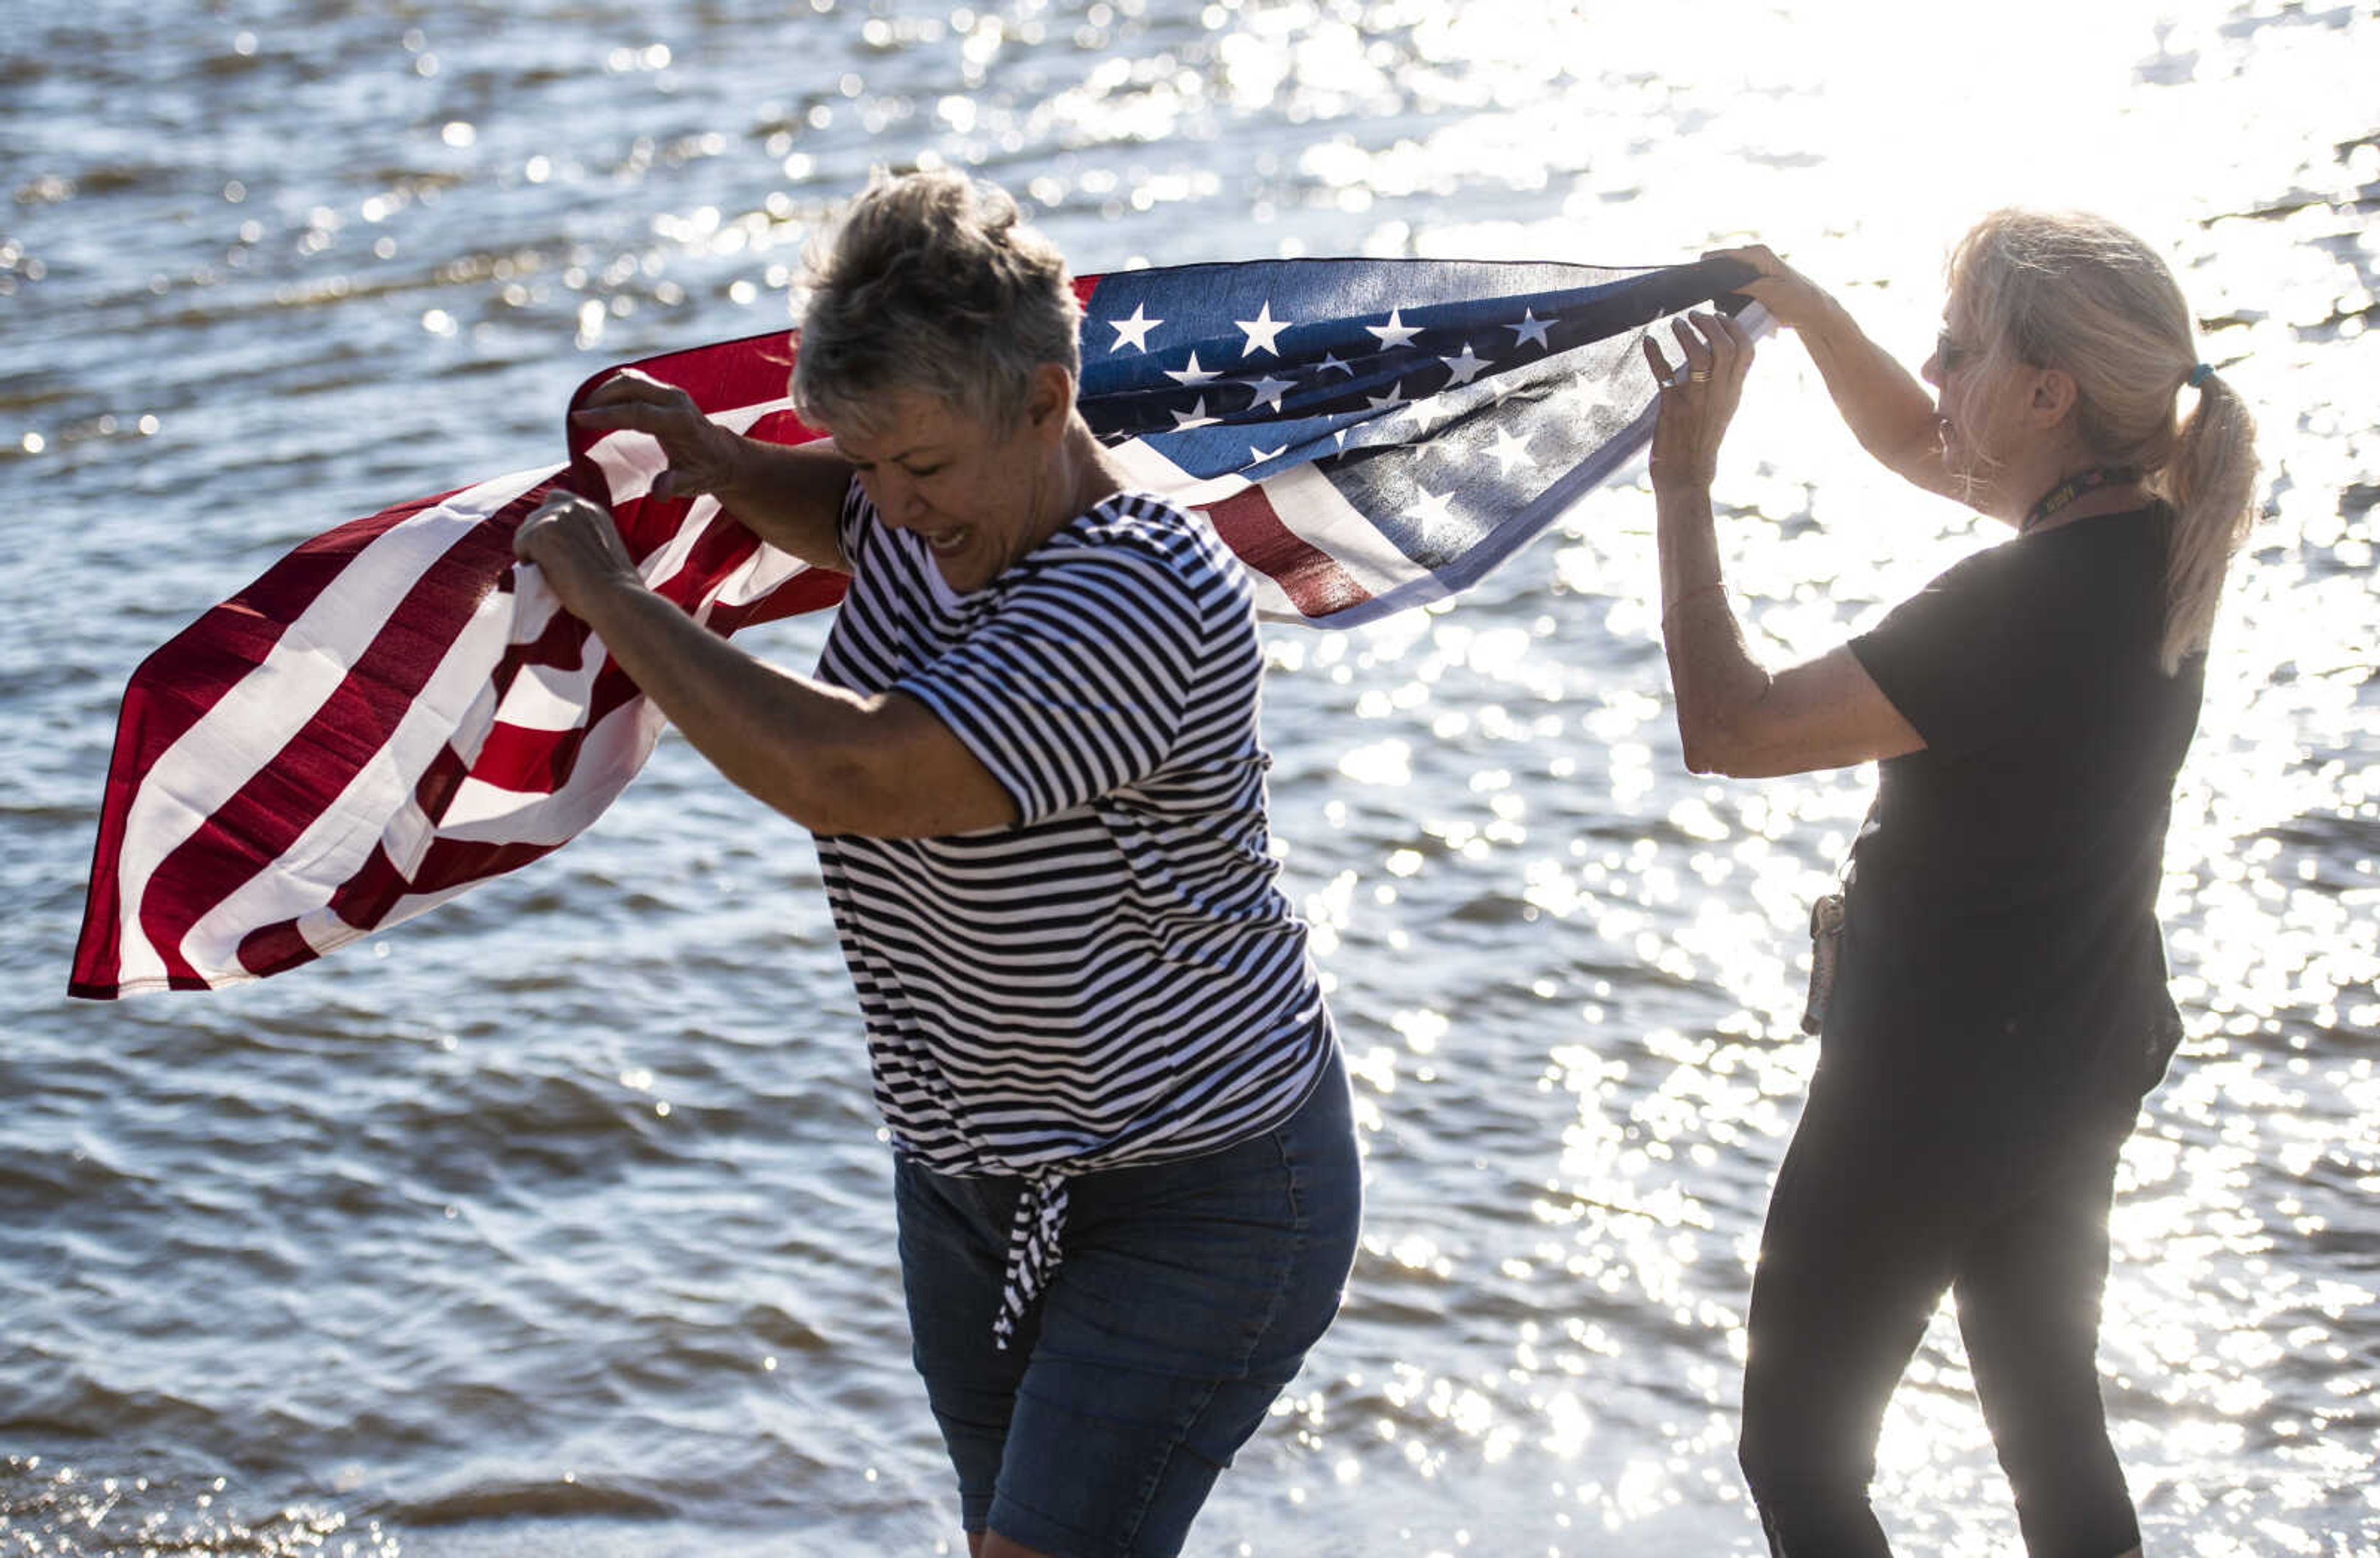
<point x="932" y="282"/>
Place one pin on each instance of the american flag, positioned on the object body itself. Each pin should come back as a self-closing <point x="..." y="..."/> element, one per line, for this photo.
<point x="396" y="711"/>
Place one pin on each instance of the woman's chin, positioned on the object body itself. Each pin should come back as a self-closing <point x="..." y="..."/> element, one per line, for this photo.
<point x="962" y="570"/>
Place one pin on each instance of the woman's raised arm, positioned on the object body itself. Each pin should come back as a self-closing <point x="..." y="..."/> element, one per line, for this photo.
<point x="790" y="497"/>
<point x="1887" y="408"/>
<point x="1734" y="715"/>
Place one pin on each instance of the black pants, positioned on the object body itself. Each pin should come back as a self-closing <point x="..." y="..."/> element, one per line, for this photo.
<point x="1875" y="1214"/>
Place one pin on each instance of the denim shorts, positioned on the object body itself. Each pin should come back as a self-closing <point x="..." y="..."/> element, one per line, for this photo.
<point x="1185" y="1301"/>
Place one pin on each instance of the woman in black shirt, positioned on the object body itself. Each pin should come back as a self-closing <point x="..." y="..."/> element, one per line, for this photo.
<point x="2000" y="1004"/>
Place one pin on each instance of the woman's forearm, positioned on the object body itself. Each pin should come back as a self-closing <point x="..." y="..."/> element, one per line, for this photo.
<point x="1887" y="410"/>
<point x="791" y="496"/>
<point x="1713" y="674"/>
<point x="832" y="760"/>
<point x="1735" y="717"/>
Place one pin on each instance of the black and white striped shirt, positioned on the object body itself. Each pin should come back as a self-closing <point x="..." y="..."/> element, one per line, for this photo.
<point x="1116" y="979"/>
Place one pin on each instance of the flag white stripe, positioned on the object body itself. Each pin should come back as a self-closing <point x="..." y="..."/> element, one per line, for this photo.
<point x="547" y="698"/>
<point x="614" y="749"/>
<point x="1308" y="506"/>
<point x="255" y="718"/>
<point x="1316" y="512"/>
<point x="1149" y="470"/>
<point x="760" y="576"/>
<point x="631" y="460"/>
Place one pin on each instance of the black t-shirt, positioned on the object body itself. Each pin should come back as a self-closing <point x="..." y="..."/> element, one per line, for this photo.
<point x="2002" y="933"/>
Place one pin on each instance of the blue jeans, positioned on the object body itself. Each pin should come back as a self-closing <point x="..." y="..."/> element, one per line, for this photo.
<point x="1187" y="1298"/>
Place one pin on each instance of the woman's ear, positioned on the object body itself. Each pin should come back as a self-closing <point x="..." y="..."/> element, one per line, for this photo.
<point x="2054" y="398"/>
<point x="1049" y="404"/>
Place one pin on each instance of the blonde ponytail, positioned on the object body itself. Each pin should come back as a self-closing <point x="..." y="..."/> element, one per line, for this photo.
<point x="2211" y="483"/>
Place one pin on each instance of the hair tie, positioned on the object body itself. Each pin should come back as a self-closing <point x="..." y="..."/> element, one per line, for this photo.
<point x="2199" y="375"/>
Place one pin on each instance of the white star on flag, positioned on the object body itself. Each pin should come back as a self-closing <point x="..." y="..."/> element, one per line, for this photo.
<point x="1433" y="509"/>
<point x="1531" y="328"/>
<point x="1510" y="453"/>
<point x="1466" y="367"/>
<point x="1196" y="417"/>
<point x="1396" y="333"/>
<point x="1269" y="390"/>
<point x="1429" y="414"/>
<point x="1135" y="329"/>
<point x="1258" y="457"/>
<point x="1389" y="402"/>
<point x="1262" y="330"/>
<point x="1192" y="376"/>
<point x="1330" y="360"/>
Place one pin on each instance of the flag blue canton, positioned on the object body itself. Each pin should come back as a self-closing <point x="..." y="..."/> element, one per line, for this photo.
<point x="1457" y="406"/>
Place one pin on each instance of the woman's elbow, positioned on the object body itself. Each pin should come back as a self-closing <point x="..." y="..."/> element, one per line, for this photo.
<point x="1707" y="745"/>
<point x="825" y="788"/>
<point x="1719" y="764"/>
<point x="872" y="784"/>
<point x="838" y="793"/>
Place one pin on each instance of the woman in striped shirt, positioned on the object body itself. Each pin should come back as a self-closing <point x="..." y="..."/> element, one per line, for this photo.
<point x="1124" y="1170"/>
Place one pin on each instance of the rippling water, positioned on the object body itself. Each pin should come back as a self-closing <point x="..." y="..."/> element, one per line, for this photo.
<point x="556" y="1221"/>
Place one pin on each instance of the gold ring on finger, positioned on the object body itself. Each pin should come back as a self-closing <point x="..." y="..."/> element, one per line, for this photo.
<point x="1699" y="376"/>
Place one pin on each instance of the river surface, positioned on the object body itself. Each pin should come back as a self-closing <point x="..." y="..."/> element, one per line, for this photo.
<point x="556" y="1221"/>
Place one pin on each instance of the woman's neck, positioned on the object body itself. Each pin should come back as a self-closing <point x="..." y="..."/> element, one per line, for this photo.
<point x="1091" y="472"/>
<point x="1078" y="473"/>
<point x="2088" y="489"/>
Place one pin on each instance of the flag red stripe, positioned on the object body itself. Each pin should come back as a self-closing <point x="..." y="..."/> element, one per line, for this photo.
<point x="273" y="949"/>
<point x="525" y="759"/>
<point x="375" y="889"/>
<point x="1312" y="579"/>
<point x="449" y="862"/>
<point x="782" y="427"/>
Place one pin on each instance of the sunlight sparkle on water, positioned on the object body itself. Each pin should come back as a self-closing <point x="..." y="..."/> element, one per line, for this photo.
<point x="2274" y="936"/>
<point x="1567" y="975"/>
